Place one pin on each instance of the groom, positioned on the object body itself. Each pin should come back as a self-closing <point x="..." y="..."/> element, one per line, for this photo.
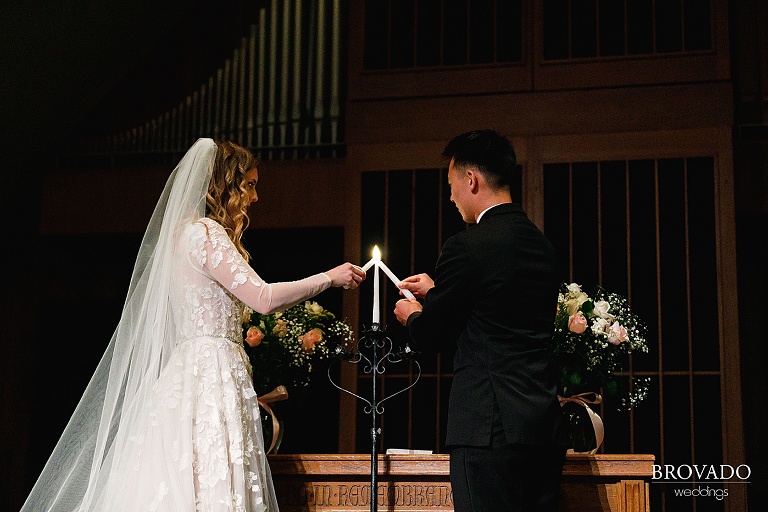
<point x="495" y="295"/>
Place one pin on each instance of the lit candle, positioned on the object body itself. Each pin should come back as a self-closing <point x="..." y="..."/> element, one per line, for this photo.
<point x="376" y="308"/>
<point x="395" y="280"/>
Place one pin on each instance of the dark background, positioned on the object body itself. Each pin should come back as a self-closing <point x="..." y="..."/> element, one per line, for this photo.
<point x="60" y="64"/>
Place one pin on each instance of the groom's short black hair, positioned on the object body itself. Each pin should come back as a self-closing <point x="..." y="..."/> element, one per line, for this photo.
<point x="487" y="150"/>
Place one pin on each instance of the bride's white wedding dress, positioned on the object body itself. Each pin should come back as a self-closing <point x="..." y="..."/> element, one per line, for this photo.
<point x="197" y="443"/>
<point x="169" y="422"/>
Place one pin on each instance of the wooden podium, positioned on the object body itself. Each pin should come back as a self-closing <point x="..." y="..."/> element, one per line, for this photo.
<point x="420" y="483"/>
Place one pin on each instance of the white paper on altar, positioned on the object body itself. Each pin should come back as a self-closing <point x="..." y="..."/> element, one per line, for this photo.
<point x="406" y="451"/>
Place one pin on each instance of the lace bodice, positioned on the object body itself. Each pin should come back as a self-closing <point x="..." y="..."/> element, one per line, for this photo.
<point x="218" y="283"/>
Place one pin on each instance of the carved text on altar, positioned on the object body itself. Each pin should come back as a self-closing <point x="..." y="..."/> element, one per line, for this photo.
<point x="354" y="495"/>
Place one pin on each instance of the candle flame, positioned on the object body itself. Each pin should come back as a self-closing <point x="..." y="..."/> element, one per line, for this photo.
<point x="376" y="252"/>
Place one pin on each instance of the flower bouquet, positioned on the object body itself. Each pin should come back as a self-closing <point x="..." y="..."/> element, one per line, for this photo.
<point x="592" y="341"/>
<point x="283" y="347"/>
<point x="593" y="338"/>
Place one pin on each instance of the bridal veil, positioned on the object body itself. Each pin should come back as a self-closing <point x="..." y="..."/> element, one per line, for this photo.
<point x="77" y="472"/>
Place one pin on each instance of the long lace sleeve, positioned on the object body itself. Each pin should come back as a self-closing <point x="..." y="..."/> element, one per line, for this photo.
<point x="215" y="254"/>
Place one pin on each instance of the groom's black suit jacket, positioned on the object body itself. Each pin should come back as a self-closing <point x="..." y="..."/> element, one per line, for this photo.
<point x="495" y="296"/>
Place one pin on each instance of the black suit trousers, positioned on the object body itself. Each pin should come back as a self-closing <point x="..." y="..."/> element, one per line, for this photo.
<point x="509" y="478"/>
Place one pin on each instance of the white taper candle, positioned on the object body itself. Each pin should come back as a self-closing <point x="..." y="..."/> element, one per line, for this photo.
<point x="395" y="280"/>
<point x="368" y="265"/>
<point x="376" y="292"/>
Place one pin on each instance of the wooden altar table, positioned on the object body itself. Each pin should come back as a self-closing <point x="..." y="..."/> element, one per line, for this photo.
<point x="420" y="483"/>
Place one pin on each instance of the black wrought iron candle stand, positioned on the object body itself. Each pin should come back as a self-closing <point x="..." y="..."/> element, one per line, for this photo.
<point x="377" y="351"/>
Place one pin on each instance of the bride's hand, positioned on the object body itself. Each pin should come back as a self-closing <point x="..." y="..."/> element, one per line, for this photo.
<point x="346" y="275"/>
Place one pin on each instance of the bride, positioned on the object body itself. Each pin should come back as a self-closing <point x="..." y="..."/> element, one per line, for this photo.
<point x="169" y="421"/>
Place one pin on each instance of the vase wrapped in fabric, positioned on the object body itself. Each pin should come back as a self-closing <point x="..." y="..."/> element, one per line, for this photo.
<point x="585" y="426"/>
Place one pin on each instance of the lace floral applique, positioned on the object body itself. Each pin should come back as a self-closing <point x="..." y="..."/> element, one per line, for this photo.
<point x="224" y="250"/>
<point x="210" y="309"/>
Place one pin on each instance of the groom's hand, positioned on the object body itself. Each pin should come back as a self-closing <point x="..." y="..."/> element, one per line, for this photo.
<point x="405" y="308"/>
<point x="418" y="285"/>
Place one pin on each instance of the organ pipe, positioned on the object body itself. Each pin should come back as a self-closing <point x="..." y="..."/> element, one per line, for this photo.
<point x="277" y="92"/>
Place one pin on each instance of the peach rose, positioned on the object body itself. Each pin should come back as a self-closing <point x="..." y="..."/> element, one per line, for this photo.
<point x="254" y="336"/>
<point x="310" y="339"/>
<point x="577" y="323"/>
<point x="617" y="334"/>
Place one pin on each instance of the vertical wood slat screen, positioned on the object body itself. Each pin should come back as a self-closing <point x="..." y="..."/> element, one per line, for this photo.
<point x="587" y="29"/>
<point x="279" y="93"/>
<point x="646" y="229"/>
<point x="410" y="235"/>
<point x="423" y="33"/>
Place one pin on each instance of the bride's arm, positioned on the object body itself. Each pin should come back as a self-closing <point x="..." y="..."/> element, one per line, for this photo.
<point x="220" y="259"/>
<point x="215" y="254"/>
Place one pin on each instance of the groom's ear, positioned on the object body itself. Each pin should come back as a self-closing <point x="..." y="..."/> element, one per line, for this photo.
<point x="472" y="177"/>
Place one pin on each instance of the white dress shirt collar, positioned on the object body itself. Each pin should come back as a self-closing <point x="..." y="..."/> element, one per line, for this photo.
<point x="483" y="212"/>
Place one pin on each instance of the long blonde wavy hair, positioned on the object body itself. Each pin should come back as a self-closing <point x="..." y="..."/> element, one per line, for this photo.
<point x="227" y="200"/>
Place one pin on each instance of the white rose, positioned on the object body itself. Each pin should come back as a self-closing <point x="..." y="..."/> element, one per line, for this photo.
<point x="574" y="289"/>
<point x="575" y="303"/>
<point x="601" y="309"/>
<point x="313" y="307"/>
<point x="599" y="325"/>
